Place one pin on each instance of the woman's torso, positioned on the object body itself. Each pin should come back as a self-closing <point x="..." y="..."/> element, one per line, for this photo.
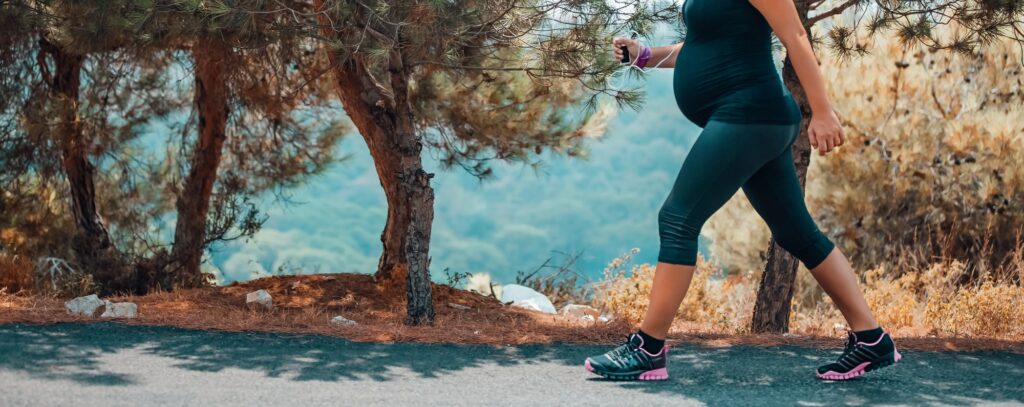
<point x="725" y="69"/>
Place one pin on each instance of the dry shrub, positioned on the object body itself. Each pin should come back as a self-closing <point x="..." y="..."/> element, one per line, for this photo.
<point x="715" y="301"/>
<point x="15" y="273"/>
<point x="560" y="282"/>
<point x="932" y="158"/>
<point x="926" y="301"/>
<point x="984" y="310"/>
<point x="894" y="301"/>
<point x="59" y="278"/>
<point x="917" y="302"/>
<point x="737" y="236"/>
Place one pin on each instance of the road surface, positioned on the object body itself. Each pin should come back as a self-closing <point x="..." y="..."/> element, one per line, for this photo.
<point x="107" y="364"/>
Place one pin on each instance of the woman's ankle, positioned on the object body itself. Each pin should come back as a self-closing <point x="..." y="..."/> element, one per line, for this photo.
<point x="651" y="344"/>
<point x="869" y="335"/>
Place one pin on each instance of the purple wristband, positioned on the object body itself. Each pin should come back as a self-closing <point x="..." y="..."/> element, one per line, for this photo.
<point x="645" y="56"/>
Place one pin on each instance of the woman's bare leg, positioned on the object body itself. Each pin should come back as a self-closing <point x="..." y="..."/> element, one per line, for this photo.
<point x="837" y="279"/>
<point x="671" y="281"/>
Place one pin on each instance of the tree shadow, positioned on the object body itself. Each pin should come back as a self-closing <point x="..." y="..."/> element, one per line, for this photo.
<point x="62" y="353"/>
<point x="79" y="349"/>
<point x="724" y="375"/>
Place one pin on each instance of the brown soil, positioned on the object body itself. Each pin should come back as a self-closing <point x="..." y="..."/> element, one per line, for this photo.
<point x="305" y="304"/>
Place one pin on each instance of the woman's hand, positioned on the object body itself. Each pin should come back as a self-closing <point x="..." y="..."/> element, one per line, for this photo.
<point x="825" y="132"/>
<point x="631" y="44"/>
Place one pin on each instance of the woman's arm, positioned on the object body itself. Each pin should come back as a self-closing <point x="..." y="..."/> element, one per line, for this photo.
<point x="824" y="131"/>
<point x="657" y="53"/>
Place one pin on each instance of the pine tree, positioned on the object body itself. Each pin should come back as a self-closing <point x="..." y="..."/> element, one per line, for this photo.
<point x="258" y="82"/>
<point x="61" y="56"/>
<point x="915" y="22"/>
<point x="477" y="81"/>
<point x="265" y="144"/>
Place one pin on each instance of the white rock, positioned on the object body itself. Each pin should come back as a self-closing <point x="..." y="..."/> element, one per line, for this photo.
<point x="481" y="283"/>
<point x="88" y="306"/>
<point x="526" y="297"/>
<point x="839" y="326"/>
<point x="120" y="310"/>
<point x="578" y="311"/>
<point x="342" y="321"/>
<point x="259" y="298"/>
<point x="606" y="318"/>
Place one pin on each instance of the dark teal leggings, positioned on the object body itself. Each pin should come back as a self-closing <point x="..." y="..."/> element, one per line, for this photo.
<point x="728" y="156"/>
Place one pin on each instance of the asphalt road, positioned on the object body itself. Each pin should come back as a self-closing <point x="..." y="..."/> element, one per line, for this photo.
<point x="109" y="364"/>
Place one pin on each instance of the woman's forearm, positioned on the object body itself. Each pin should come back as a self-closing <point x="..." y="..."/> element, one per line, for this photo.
<point x="785" y="22"/>
<point x="668" y="53"/>
<point x="824" y="130"/>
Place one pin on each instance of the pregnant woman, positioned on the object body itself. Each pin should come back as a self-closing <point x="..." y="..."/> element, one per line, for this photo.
<point x="725" y="82"/>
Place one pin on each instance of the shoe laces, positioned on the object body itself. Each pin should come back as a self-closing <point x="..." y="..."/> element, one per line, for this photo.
<point x="851" y="343"/>
<point x="626" y="348"/>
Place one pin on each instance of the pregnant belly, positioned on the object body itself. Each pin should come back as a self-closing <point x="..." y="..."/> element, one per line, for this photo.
<point x="704" y="85"/>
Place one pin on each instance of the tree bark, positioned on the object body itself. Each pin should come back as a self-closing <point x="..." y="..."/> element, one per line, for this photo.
<point x="775" y="293"/>
<point x="92" y="244"/>
<point x="385" y="120"/>
<point x="193" y="204"/>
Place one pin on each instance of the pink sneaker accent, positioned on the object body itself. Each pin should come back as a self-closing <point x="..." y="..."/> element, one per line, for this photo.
<point x="874" y="343"/>
<point x="857" y="371"/>
<point x="587" y="366"/>
<point x="656" y="374"/>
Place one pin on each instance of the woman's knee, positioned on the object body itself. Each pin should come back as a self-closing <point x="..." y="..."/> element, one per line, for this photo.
<point x="810" y="248"/>
<point x="679" y="233"/>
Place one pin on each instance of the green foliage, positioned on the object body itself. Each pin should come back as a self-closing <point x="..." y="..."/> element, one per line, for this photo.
<point x="494" y="81"/>
<point x="915" y="22"/>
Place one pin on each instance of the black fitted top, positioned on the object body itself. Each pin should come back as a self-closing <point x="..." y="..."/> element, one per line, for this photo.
<point x="725" y="70"/>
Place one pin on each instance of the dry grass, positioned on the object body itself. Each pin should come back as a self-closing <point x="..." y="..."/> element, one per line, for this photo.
<point x="930" y="301"/>
<point x="919" y="303"/>
<point x="305" y="304"/>
<point x="713" y="304"/>
<point x="15" y="273"/>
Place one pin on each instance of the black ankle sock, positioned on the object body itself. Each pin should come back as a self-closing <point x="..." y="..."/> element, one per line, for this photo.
<point x="651" y="344"/>
<point x="869" y="336"/>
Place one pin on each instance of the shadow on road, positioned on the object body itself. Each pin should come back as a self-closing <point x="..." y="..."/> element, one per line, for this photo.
<point x="728" y="375"/>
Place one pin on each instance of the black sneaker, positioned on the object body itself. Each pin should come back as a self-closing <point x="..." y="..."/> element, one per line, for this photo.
<point x="860" y="357"/>
<point x="630" y="361"/>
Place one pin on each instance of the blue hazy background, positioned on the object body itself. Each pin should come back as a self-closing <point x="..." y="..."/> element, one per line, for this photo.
<point x="601" y="206"/>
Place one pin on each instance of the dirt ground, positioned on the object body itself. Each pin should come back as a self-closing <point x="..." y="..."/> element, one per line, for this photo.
<point x="305" y="304"/>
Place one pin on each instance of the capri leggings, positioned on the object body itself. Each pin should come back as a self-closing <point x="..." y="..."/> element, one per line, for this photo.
<point x="726" y="157"/>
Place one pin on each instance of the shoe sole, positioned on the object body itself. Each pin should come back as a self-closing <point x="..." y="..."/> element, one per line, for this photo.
<point x="650" y="375"/>
<point x="887" y="360"/>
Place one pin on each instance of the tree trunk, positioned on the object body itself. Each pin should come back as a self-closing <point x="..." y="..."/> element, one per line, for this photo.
<point x="775" y="293"/>
<point x="385" y="120"/>
<point x="92" y="244"/>
<point x="211" y="100"/>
